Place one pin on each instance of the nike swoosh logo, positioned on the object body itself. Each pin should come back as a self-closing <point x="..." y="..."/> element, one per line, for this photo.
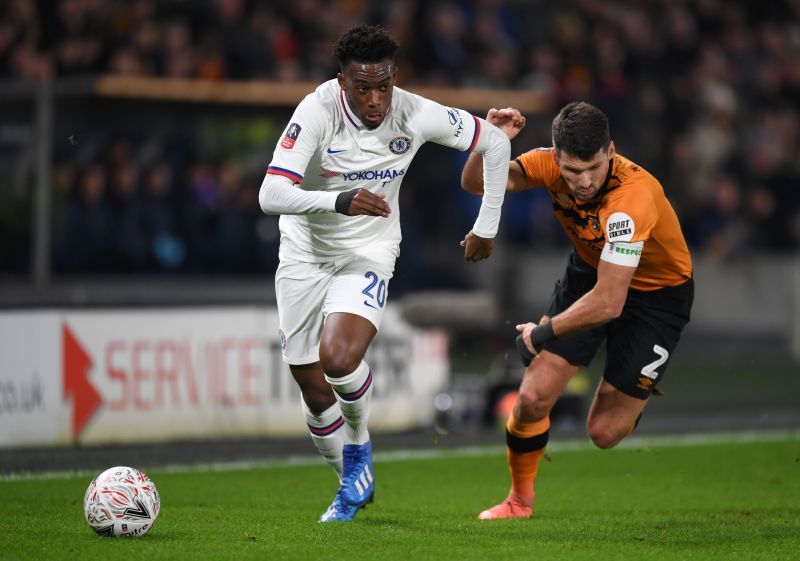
<point x="332" y="151"/>
<point x="370" y="305"/>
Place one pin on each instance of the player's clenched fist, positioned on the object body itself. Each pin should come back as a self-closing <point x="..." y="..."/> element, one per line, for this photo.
<point x="525" y="345"/>
<point x="362" y="201"/>
<point x="508" y="120"/>
<point x="476" y="247"/>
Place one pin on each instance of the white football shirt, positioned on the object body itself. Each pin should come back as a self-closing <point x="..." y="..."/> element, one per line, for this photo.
<point x="325" y="147"/>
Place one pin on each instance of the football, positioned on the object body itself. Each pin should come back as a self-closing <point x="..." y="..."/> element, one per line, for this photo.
<point x="121" y="501"/>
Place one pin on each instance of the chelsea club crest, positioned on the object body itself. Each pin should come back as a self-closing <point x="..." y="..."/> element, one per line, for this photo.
<point x="400" y="145"/>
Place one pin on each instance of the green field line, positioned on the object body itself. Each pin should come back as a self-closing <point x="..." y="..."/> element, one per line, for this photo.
<point x="386" y="456"/>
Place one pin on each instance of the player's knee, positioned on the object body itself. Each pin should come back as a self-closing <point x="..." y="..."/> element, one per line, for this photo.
<point x="532" y="406"/>
<point x="340" y="359"/>
<point x="604" y="436"/>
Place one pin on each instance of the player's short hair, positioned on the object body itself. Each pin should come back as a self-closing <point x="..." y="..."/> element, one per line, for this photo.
<point x="365" y="43"/>
<point x="581" y="129"/>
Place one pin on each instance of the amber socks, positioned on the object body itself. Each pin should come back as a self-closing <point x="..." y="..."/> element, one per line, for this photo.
<point x="526" y="443"/>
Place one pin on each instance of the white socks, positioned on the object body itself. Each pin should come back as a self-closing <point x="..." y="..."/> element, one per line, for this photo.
<point x="353" y="393"/>
<point x="326" y="434"/>
<point x="344" y="421"/>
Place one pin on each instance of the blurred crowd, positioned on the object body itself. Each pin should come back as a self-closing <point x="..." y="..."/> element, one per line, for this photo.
<point x="705" y="94"/>
<point x="115" y="215"/>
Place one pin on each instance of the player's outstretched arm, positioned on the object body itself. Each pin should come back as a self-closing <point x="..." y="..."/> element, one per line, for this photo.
<point x="279" y="195"/>
<point x="601" y="304"/>
<point x="598" y="306"/>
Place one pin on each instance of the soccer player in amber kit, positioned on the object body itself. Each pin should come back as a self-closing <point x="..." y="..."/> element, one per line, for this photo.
<point x="628" y="282"/>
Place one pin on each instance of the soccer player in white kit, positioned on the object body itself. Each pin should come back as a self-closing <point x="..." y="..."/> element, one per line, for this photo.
<point x="334" y="179"/>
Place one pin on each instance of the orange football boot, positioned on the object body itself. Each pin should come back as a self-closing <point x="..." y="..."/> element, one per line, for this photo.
<point x="512" y="507"/>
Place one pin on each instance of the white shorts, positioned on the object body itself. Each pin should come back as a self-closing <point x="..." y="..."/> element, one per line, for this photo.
<point x="308" y="292"/>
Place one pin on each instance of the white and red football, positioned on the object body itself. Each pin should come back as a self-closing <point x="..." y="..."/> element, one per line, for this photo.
<point x="121" y="501"/>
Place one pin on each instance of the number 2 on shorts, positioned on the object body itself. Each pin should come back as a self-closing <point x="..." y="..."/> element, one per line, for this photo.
<point x="379" y="296"/>
<point x="649" y="370"/>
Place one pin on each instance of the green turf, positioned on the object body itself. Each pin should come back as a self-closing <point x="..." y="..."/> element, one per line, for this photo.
<point x="715" y="501"/>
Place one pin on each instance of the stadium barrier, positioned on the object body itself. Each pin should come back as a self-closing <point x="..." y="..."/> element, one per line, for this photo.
<point x="122" y="376"/>
<point x="288" y="94"/>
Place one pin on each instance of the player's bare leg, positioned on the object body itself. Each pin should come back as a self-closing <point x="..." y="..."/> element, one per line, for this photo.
<point x="612" y="415"/>
<point x="344" y="342"/>
<point x="317" y="393"/>
<point x="527" y="432"/>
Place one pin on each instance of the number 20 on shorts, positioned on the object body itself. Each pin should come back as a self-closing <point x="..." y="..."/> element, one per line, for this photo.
<point x="375" y="291"/>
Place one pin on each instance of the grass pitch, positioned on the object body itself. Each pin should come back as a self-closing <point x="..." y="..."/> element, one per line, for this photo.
<point x="731" y="500"/>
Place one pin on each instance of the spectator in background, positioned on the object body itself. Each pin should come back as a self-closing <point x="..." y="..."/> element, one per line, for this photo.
<point x="161" y="227"/>
<point x="201" y="211"/>
<point x="83" y="245"/>
<point x="718" y="223"/>
<point x="233" y="228"/>
<point x="712" y="135"/>
<point x="179" y="57"/>
<point x="79" y="46"/>
<point x="130" y="250"/>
